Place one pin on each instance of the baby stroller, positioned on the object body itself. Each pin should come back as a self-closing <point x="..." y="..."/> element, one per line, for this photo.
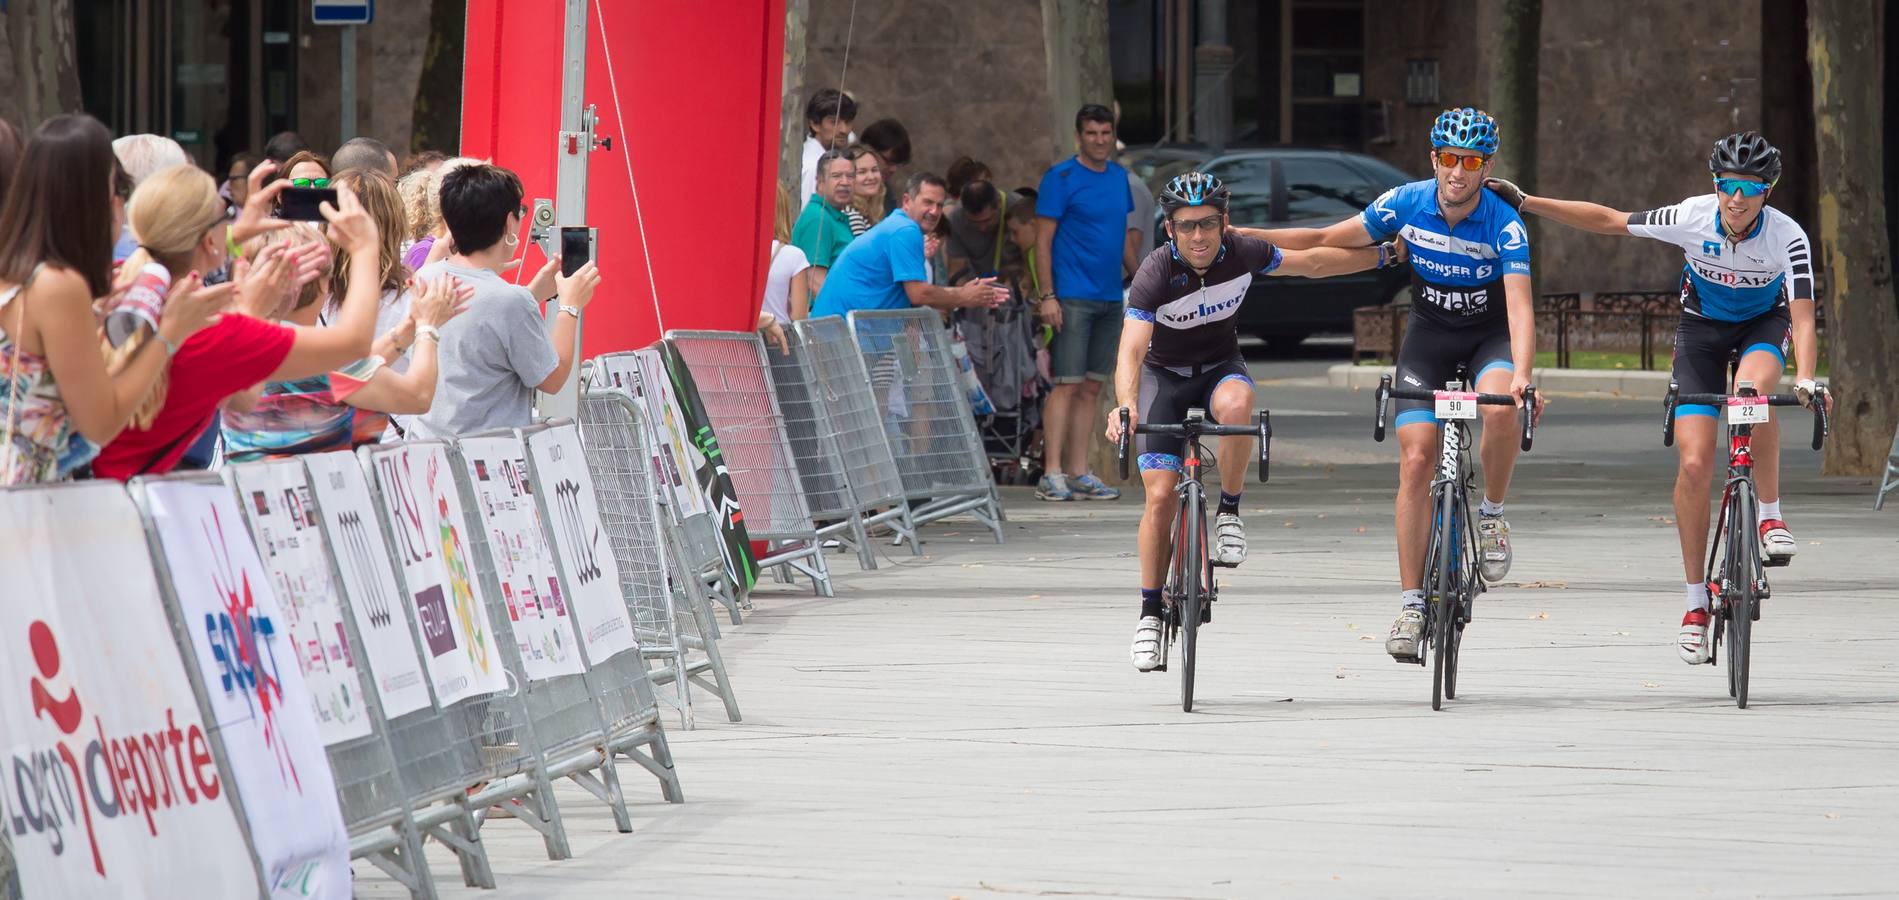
<point x="1001" y="344"/>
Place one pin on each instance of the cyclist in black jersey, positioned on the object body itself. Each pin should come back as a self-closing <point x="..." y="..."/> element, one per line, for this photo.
<point x="1180" y="349"/>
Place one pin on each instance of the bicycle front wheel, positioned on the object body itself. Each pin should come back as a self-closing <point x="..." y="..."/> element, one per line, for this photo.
<point x="1743" y="568"/>
<point x="1442" y="628"/>
<point x="1192" y="554"/>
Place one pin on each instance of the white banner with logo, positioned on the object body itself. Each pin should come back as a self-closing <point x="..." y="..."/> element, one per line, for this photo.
<point x="432" y="548"/>
<point x="524" y="564"/>
<point x="256" y="691"/>
<point x="560" y="469"/>
<point x="110" y="788"/>
<point x="375" y="600"/>
<point x="642" y="375"/>
<point x="282" y="513"/>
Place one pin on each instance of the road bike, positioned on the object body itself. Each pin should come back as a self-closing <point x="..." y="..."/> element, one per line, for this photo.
<point x="1451" y="582"/>
<point x="1190" y="587"/>
<point x="1736" y="589"/>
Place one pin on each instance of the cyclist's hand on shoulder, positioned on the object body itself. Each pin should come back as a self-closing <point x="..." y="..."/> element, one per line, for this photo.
<point x="1114" y="422"/>
<point x="1507" y="191"/>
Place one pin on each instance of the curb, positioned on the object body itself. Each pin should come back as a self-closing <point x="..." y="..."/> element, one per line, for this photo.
<point x="1639" y="385"/>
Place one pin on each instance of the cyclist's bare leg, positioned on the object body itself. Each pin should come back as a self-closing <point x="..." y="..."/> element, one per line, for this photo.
<point x="1764" y="369"/>
<point x="1233" y="405"/>
<point x="1157" y="525"/>
<point x="1694" y="440"/>
<point x="1502" y="437"/>
<point x="1417" y="463"/>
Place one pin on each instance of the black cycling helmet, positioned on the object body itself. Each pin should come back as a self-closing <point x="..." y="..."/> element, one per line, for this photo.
<point x="1194" y="189"/>
<point x="1746" y="153"/>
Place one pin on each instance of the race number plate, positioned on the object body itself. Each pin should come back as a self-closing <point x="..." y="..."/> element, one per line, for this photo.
<point x="1747" y="410"/>
<point x="1456" y="404"/>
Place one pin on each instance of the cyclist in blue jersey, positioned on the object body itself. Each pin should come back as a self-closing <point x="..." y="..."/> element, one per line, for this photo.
<point x="1747" y="288"/>
<point x="1470" y="304"/>
<point x="1180" y="350"/>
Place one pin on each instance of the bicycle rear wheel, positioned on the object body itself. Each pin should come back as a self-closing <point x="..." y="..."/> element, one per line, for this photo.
<point x="1743" y="568"/>
<point x="1441" y="630"/>
<point x="1191" y="554"/>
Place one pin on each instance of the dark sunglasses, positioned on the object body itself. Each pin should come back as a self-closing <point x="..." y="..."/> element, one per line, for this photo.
<point x="310" y="182"/>
<point x="1450" y="160"/>
<point x="1727" y="187"/>
<point x="1210" y="225"/>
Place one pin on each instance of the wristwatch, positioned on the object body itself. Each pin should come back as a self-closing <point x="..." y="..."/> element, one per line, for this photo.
<point x="570" y="310"/>
<point x="428" y="331"/>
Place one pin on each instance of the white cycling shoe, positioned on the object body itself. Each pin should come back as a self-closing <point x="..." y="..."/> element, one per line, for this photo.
<point x="1407" y="633"/>
<point x="1493" y="547"/>
<point x="1146" y="649"/>
<point x="1229" y="536"/>
<point x="1692" y="642"/>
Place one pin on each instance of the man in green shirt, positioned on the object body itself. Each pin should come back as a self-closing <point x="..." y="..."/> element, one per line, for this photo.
<point x="823" y="229"/>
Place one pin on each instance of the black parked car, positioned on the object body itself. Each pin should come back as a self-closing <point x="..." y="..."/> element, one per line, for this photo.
<point x="1285" y="187"/>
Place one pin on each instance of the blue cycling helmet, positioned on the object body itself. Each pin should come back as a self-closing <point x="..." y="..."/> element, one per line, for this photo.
<point x="1194" y="189"/>
<point x="1465" y="129"/>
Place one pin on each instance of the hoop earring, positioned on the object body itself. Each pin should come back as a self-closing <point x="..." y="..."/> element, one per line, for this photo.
<point x="511" y="241"/>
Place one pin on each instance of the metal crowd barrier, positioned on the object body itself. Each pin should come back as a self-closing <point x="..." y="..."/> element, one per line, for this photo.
<point x="840" y="385"/>
<point x="926" y="415"/>
<point x="735" y="385"/>
<point x="560" y="475"/>
<point x="285" y="516"/>
<point x="827" y="492"/>
<point x="645" y="547"/>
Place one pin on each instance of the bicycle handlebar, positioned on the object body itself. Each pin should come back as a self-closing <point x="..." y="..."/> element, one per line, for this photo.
<point x="1262" y="428"/>
<point x="1676" y="398"/>
<point x="1386" y="393"/>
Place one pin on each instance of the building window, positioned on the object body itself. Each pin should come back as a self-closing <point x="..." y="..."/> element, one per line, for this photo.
<point x="1420" y="82"/>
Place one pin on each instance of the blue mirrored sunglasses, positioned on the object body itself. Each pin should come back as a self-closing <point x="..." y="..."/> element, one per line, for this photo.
<point x="1727" y="187"/>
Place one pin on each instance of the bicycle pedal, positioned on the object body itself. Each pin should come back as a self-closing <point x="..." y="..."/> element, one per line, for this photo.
<point x="1775" y="562"/>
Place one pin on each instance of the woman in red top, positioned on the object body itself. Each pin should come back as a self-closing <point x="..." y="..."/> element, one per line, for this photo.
<point x="239" y="351"/>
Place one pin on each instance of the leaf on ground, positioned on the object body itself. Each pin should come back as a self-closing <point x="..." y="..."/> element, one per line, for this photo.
<point x="1542" y="585"/>
<point x="1290" y="525"/>
<point x="972" y="565"/>
<point x="1035" y="596"/>
<point x="1622" y="634"/>
<point x="1361" y="529"/>
<point x="1650" y="684"/>
<point x="1368" y="637"/>
<point x="1321" y="515"/>
<point x="1832" y="815"/>
<point x="1351" y="626"/>
<point x="1541" y="615"/>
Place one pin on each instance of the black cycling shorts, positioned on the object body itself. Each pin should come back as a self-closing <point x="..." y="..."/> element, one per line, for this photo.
<point x="1703" y="345"/>
<point x="1431" y="353"/>
<point x="1167" y="394"/>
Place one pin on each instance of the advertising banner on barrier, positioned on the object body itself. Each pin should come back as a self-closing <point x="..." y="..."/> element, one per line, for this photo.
<point x="560" y="469"/>
<point x="256" y="692"/>
<point x="642" y="376"/>
<point x="282" y="513"/>
<point x="431" y="547"/>
<point x="709" y="467"/>
<point x="110" y="788"/>
<point x="524" y="564"/>
<point x="375" y="600"/>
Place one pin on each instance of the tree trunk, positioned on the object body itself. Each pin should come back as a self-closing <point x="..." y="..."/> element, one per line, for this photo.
<point x="1862" y="323"/>
<point x="41" y="77"/>
<point x="1075" y="34"/>
<point x="438" y="93"/>
<point x="791" y="139"/>
<point x="1515" y="56"/>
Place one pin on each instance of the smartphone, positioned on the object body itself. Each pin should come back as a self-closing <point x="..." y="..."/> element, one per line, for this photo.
<point x="303" y="204"/>
<point x="576" y="248"/>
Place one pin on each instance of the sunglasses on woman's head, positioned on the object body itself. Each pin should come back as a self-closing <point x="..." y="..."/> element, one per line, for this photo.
<point x="310" y="182"/>
<point x="1450" y="160"/>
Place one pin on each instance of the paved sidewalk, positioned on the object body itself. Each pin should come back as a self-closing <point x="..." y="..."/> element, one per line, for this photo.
<point x="967" y="724"/>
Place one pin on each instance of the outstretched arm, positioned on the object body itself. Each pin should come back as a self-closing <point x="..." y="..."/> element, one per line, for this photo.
<point x="1579" y="214"/>
<point x="1324" y="262"/>
<point x="1348" y="233"/>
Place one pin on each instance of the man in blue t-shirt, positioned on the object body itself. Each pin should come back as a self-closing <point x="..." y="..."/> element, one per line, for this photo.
<point x="883" y="268"/>
<point x="1470" y="305"/>
<point x="1085" y="241"/>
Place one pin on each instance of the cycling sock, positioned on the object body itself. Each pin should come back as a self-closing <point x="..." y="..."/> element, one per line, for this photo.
<point x="1414" y="599"/>
<point x="1768" y="510"/>
<point x="1490" y="509"/>
<point x="1229" y="503"/>
<point x="1151" y="602"/>
<point x="1697" y="596"/>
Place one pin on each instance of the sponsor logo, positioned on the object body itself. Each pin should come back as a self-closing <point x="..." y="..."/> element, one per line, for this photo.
<point x="1737" y="279"/>
<point x="1382" y="207"/>
<point x="1514" y="237"/>
<point x="1465" y="302"/>
<point x="1446" y="270"/>
<point x="1485" y="271"/>
<point x="1711" y="248"/>
<point x="1204" y="310"/>
<point x="85" y="780"/>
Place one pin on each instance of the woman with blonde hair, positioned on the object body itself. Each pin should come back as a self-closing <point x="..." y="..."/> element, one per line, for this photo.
<point x="61" y="216"/>
<point x="867" y="189"/>
<point x="787" y="289"/>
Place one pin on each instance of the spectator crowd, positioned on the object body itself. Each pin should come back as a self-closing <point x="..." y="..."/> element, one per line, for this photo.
<point x="863" y="235"/>
<point x="153" y="319"/>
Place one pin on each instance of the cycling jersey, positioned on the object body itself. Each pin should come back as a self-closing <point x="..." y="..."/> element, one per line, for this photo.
<point x="1727" y="280"/>
<point x="1456" y="272"/>
<point x="1194" y="314"/>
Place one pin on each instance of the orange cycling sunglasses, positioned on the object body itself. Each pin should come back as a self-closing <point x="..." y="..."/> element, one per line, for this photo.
<point x="1450" y="160"/>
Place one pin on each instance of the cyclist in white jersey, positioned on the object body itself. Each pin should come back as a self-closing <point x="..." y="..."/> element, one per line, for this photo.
<point x="1746" y="288"/>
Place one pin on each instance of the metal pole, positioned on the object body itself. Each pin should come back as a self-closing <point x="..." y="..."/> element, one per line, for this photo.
<point x="349" y="83"/>
<point x="570" y="197"/>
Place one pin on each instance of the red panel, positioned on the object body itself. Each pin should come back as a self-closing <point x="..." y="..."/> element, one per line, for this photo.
<point x="699" y="87"/>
